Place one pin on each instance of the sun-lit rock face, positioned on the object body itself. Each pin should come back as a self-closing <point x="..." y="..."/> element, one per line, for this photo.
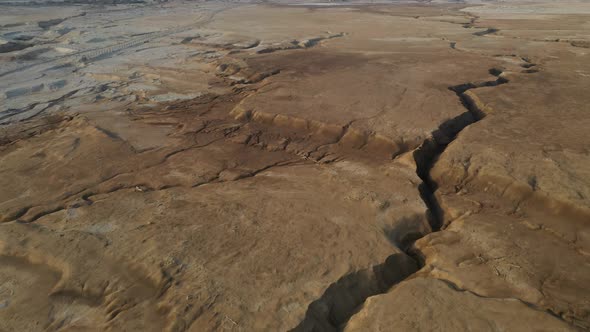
<point x="212" y="166"/>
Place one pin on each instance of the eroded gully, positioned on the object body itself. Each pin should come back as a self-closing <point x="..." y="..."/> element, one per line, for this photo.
<point x="342" y="298"/>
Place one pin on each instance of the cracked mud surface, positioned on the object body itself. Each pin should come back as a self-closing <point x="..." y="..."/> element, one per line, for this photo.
<point x="248" y="167"/>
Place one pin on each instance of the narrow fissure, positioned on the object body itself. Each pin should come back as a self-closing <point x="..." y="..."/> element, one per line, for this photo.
<point x="425" y="156"/>
<point x="342" y="299"/>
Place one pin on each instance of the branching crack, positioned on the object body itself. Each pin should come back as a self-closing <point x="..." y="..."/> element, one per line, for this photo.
<point x="343" y="298"/>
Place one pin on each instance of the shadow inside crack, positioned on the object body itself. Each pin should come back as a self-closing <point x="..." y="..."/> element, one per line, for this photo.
<point x="343" y="298"/>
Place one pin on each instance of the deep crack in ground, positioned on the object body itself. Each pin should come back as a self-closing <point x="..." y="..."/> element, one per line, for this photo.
<point x="342" y="299"/>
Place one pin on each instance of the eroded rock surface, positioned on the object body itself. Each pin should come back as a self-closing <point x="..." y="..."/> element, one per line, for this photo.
<point x="356" y="167"/>
<point x="430" y="304"/>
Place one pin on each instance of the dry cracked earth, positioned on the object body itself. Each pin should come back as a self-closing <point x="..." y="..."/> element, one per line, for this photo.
<point x="225" y="166"/>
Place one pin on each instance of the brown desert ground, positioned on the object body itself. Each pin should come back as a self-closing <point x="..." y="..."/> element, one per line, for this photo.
<point x="219" y="166"/>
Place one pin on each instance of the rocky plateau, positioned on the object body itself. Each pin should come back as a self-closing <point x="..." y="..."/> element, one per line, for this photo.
<point x="295" y="166"/>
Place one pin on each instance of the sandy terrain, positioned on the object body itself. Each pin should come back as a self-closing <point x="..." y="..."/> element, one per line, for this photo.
<point x="227" y="166"/>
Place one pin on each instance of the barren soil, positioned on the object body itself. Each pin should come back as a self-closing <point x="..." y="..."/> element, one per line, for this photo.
<point x="219" y="166"/>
